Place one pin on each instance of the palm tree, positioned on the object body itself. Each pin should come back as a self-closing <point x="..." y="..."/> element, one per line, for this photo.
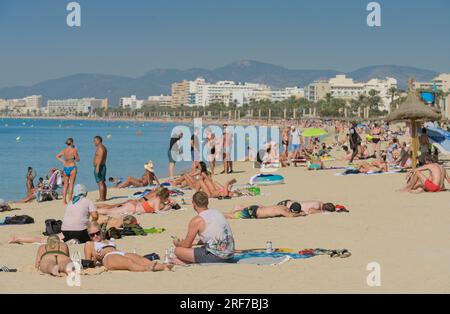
<point x="393" y="91"/>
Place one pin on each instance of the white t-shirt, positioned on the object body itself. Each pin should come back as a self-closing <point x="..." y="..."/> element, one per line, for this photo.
<point x="76" y="216"/>
<point x="295" y="137"/>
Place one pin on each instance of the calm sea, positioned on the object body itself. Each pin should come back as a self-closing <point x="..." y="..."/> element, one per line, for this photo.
<point x="130" y="145"/>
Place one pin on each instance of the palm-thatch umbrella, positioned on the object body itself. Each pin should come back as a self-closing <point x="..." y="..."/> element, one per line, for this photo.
<point x="414" y="110"/>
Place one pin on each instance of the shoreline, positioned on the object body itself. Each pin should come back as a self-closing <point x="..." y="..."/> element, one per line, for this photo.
<point x="207" y="120"/>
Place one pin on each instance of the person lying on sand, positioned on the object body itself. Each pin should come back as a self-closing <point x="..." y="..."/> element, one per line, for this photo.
<point x="105" y="252"/>
<point x="147" y="178"/>
<point x="418" y="182"/>
<point x="259" y="212"/>
<point x="192" y="179"/>
<point x="159" y="202"/>
<point x="53" y="257"/>
<point x="287" y="208"/>
<point x="216" y="238"/>
<point x="214" y="189"/>
<point x="313" y="207"/>
<point x="374" y="166"/>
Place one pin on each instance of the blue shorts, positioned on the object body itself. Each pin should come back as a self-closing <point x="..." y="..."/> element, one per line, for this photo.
<point x="101" y="175"/>
<point x="295" y="146"/>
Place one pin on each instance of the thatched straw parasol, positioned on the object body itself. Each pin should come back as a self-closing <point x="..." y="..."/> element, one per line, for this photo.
<point x="414" y="110"/>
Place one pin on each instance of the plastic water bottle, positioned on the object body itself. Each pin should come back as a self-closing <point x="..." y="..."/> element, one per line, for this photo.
<point x="171" y="253"/>
<point x="166" y="257"/>
<point x="269" y="247"/>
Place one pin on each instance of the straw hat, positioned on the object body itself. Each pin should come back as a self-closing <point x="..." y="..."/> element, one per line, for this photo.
<point x="149" y="166"/>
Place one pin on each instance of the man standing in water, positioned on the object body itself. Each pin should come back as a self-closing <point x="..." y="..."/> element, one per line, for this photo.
<point x="101" y="153"/>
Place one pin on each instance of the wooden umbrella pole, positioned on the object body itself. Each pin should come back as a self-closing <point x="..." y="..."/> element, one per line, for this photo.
<point x="414" y="143"/>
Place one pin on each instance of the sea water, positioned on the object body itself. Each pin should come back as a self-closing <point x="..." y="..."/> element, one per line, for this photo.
<point x="36" y="142"/>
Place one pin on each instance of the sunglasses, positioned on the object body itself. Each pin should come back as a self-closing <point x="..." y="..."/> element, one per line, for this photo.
<point x="92" y="235"/>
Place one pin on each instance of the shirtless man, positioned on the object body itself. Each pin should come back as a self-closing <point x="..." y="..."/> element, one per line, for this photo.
<point x="417" y="182"/>
<point x="261" y="212"/>
<point x="68" y="157"/>
<point x="314" y="207"/>
<point x="288" y="209"/>
<point x="100" y="156"/>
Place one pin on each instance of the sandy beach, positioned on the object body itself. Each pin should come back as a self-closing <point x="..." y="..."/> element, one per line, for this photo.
<point x="406" y="234"/>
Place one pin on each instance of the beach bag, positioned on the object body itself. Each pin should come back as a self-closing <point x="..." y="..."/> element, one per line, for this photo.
<point x="52" y="226"/>
<point x="19" y="220"/>
<point x="133" y="230"/>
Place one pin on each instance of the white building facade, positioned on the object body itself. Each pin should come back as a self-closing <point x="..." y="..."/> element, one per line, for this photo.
<point x="131" y="102"/>
<point x="30" y="105"/>
<point x="60" y="107"/>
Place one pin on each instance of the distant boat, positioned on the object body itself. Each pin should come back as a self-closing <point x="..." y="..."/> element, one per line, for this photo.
<point x="109" y="136"/>
<point x="18" y="139"/>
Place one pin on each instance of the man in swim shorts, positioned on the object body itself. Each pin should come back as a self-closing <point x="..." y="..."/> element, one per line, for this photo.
<point x="261" y="212"/>
<point x="100" y="156"/>
<point x="418" y="182"/>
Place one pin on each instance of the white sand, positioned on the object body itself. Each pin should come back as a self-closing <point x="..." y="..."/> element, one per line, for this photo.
<point x="406" y="234"/>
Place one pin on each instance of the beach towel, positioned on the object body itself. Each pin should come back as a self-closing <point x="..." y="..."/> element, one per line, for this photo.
<point x="172" y="192"/>
<point x="154" y="230"/>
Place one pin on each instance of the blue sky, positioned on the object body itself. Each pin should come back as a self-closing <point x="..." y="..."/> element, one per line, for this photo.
<point x="134" y="36"/>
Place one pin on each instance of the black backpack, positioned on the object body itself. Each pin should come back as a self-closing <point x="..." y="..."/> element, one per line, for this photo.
<point x="52" y="226"/>
<point x="19" y="220"/>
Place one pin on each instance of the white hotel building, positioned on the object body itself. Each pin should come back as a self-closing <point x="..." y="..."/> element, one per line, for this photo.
<point x="28" y="105"/>
<point x="227" y="92"/>
<point x="62" y="107"/>
<point x="131" y="103"/>
<point x="345" y="88"/>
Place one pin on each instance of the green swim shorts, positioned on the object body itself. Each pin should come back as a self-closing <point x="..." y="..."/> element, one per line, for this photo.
<point x="101" y="175"/>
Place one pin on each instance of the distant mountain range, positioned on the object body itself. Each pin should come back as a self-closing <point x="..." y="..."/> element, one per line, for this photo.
<point x="159" y="81"/>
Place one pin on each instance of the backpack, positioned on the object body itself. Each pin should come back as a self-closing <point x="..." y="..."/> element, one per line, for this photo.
<point x="52" y="226"/>
<point x="19" y="220"/>
<point x="132" y="230"/>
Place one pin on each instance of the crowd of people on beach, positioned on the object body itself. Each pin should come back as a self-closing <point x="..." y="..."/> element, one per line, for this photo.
<point x="97" y="225"/>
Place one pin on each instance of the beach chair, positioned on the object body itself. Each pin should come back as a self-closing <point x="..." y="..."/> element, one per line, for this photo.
<point x="49" y="189"/>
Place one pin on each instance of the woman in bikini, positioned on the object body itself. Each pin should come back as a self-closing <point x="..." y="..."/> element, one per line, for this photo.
<point x="68" y="156"/>
<point x="146" y="179"/>
<point x="376" y="133"/>
<point x="215" y="189"/>
<point x="105" y="252"/>
<point x="53" y="257"/>
<point x="159" y="201"/>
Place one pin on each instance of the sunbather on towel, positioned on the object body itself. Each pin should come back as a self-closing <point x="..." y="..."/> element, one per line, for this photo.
<point x="160" y="202"/>
<point x="260" y="212"/>
<point x="146" y="179"/>
<point x="105" y="252"/>
<point x="214" y="189"/>
<point x="314" y="207"/>
<point x="374" y="166"/>
<point x="53" y="257"/>
<point x="418" y="182"/>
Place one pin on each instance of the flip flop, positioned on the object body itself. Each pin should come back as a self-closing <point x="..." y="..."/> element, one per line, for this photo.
<point x="7" y="270"/>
